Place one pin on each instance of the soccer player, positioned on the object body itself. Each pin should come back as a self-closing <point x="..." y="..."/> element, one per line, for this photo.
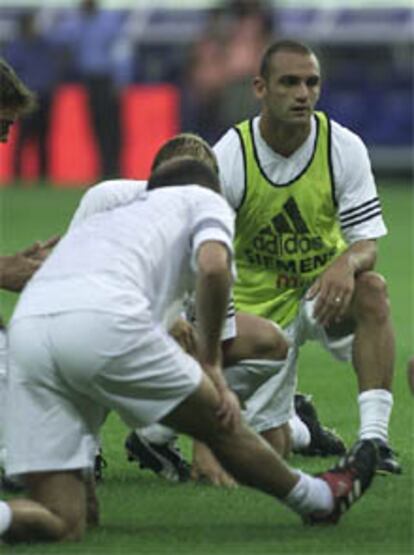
<point x="97" y="313"/>
<point x="261" y="342"/>
<point x="16" y="100"/>
<point x="308" y="217"/>
<point x="251" y="354"/>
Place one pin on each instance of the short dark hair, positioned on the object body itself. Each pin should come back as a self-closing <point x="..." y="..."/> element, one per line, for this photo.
<point x="186" y="144"/>
<point x="14" y="95"/>
<point x="278" y="46"/>
<point x="184" y="171"/>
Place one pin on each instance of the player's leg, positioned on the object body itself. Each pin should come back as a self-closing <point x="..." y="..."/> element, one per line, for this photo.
<point x="252" y="357"/>
<point x="54" y="511"/>
<point x="374" y="342"/>
<point x="155" y="446"/>
<point x="373" y="359"/>
<point x="254" y="463"/>
<point x="240" y="451"/>
<point x="257" y="338"/>
<point x="60" y="505"/>
<point x="280" y="439"/>
<point x="260" y="348"/>
<point x="260" y="340"/>
<point x="264" y="390"/>
<point x="371" y="349"/>
<point x="206" y="468"/>
<point x="157" y="381"/>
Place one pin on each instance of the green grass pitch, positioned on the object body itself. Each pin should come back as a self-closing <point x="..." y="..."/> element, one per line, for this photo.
<point x="142" y="514"/>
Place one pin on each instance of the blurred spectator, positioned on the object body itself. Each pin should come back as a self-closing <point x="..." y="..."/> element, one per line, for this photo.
<point x="217" y="91"/>
<point x="206" y="76"/>
<point x="91" y="36"/>
<point x="250" y="30"/>
<point x="33" y="57"/>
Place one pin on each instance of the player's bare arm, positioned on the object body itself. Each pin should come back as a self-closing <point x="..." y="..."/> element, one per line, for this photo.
<point x="335" y="287"/>
<point x="18" y="268"/>
<point x="214" y="281"/>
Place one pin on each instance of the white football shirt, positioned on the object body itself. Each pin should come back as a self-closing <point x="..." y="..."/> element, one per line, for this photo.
<point x="138" y="256"/>
<point x="117" y="192"/>
<point x="359" y="210"/>
<point x="106" y="196"/>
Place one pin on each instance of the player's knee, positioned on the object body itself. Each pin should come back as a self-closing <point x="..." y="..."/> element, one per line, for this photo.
<point x="371" y="297"/>
<point x="271" y="343"/>
<point x="257" y="338"/>
<point x="197" y="414"/>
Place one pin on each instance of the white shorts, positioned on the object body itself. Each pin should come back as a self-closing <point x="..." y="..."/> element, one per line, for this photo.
<point x="68" y="371"/>
<point x="272" y="404"/>
<point x="261" y="387"/>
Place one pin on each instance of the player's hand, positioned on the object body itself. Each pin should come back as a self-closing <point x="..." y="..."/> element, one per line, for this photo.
<point x="40" y="250"/>
<point x="334" y="290"/>
<point x="229" y="410"/>
<point x="184" y="334"/>
<point x="206" y="468"/>
<point x="16" y="270"/>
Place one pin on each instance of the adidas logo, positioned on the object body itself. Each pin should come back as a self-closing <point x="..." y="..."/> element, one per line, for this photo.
<point x="287" y="234"/>
<point x="290" y="219"/>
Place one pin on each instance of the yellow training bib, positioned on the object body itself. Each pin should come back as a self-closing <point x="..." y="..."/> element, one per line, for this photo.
<point x="286" y="235"/>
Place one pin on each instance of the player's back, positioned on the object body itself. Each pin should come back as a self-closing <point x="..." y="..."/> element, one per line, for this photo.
<point x="134" y="257"/>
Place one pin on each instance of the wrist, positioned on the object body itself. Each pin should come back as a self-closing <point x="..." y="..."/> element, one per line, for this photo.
<point x="350" y="263"/>
<point x="209" y="355"/>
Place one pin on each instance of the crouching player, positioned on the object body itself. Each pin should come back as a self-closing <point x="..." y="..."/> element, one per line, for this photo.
<point x="253" y="350"/>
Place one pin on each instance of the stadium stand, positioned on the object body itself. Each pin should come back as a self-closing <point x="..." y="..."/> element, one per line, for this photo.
<point x="368" y="84"/>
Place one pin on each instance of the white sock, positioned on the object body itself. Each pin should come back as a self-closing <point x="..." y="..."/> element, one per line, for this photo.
<point x="375" y="407"/>
<point x="156" y="433"/>
<point x="5" y="517"/>
<point x="310" y="495"/>
<point x="299" y="433"/>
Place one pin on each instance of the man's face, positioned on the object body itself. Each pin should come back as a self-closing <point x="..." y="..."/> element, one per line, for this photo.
<point x="7" y="118"/>
<point x="291" y="91"/>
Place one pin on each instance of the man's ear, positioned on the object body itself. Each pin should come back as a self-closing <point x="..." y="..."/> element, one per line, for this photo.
<point x="259" y="87"/>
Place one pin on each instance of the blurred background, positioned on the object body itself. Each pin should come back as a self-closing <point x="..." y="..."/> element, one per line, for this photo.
<point x="116" y="78"/>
